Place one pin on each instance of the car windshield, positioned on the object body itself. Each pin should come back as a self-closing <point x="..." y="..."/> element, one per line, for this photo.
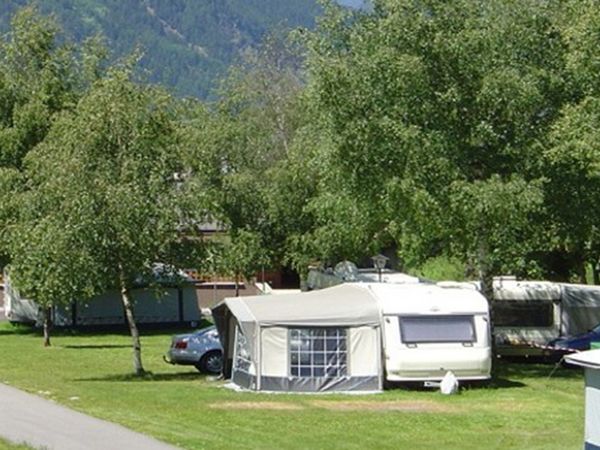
<point x="596" y="329"/>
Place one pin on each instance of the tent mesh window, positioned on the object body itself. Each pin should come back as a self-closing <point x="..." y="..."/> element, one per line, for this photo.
<point x="318" y="352"/>
<point x="430" y="329"/>
<point x="242" y="356"/>
<point x="518" y="313"/>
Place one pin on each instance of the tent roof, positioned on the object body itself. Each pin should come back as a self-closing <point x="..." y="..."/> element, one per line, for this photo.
<point x="427" y="299"/>
<point x="342" y="305"/>
<point x="581" y="295"/>
<point x="590" y="358"/>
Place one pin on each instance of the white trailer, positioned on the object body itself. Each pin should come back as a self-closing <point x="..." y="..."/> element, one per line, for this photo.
<point x="530" y="314"/>
<point x="429" y="330"/>
<point x="526" y="316"/>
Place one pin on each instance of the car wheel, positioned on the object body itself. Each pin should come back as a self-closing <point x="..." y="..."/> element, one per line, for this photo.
<point x="211" y="362"/>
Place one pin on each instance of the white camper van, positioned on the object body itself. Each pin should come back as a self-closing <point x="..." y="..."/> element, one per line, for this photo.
<point x="429" y="330"/>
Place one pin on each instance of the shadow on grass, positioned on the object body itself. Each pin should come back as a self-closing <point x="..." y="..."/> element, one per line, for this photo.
<point x="149" y="376"/>
<point x="497" y="383"/>
<point x="510" y="375"/>
<point x="501" y="383"/>
<point x="527" y="370"/>
<point x="9" y="329"/>
<point x="96" y="346"/>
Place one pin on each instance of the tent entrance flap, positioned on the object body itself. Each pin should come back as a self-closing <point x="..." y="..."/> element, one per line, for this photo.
<point x="243" y="372"/>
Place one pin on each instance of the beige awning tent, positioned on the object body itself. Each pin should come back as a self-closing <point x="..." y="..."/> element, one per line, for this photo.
<point x="326" y="340"/>
<point x="590" y="360"/>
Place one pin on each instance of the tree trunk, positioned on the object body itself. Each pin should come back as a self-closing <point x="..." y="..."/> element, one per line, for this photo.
<point x="135" y="335"/>
<point x="237" y="285"/>
<point x="47" y="325"/>
<point x="595" y="273"/>
<point x="486" y="281"/>
<point x="581" y="272"/>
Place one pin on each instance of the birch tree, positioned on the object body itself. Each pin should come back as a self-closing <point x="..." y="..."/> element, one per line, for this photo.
<point x="42" y="74"/>
<point x="105" y="197"/>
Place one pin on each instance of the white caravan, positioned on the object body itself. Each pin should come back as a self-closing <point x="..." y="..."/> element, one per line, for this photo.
<point x="530" y="314"/>
<point x="429" y="330"/>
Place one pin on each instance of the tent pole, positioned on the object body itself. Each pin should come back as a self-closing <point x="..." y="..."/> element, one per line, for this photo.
<point x="258" y="358"/>
<point x="379" y="358"/>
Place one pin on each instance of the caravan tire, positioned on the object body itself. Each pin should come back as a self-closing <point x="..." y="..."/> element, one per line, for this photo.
<point x="211" y="362"/>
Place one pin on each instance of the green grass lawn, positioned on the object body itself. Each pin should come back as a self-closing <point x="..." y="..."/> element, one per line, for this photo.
<point x="5" y="445"/>
<point x="524" y="409"/>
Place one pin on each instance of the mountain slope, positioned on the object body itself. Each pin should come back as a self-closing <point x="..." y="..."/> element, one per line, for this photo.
<point x="187" y="44"/>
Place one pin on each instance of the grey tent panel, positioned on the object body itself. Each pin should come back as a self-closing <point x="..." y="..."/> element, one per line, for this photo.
<point x="580" y="296"/>
<point x="344" y="307"/>
<point x="361" y="384"/>
<point x="580" y="308"/>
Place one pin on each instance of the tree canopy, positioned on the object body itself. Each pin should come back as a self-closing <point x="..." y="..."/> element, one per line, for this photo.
<point x="463" y="133"/>
<point x="440" y="117"/>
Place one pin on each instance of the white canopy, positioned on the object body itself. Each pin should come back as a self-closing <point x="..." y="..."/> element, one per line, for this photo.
<point x="345" y="304"/>
<point x="590" y="359"/>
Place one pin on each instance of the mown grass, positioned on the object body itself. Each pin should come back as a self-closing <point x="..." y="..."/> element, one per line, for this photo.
<point x="5" y="445"/>
<point x="523" y="409"/>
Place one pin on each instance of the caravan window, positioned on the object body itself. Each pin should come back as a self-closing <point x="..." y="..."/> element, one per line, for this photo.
<point x="318" y="352"/>
<point x="242" y="360"/>
<point x="429" y="329"/>
<point x="519" y="313"/>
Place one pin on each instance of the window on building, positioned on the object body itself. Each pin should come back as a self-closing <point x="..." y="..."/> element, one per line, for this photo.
<point x="318" y="352"/>
<point x="518" y="313"/>
<point x="428" y="329"/>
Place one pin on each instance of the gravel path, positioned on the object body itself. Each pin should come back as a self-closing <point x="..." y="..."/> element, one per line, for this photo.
<point x="40" y="423"/>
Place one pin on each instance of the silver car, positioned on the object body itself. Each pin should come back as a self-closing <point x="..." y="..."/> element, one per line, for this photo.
<point x="201" y="349"/>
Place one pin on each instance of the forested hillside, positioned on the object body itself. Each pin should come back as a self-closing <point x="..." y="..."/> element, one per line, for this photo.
<point x="188" y="44"/>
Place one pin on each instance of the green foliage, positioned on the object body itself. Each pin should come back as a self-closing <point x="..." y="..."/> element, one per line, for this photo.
<point x="438" y="113"/>
<point x="38" y="78"/>
<point x="99" y="207"/>
<point x="244" y="255"/>
<point x="100" y="184"/>
<point x="446" y="131"/>
<point x="243" y="151"/>
<point x="441" y="268"/>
